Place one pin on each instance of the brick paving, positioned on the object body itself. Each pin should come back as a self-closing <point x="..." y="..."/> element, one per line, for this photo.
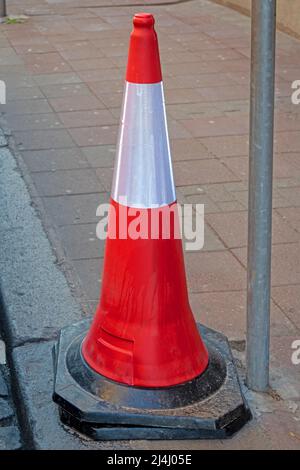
<point x="64" y="69"/>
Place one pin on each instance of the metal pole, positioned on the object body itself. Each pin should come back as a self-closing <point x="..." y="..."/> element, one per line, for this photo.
<point x="260" y="192"/>
<point x="2" y="8"/>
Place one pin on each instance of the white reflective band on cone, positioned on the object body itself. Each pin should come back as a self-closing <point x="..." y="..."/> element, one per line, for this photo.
<point x="143" y="170"/>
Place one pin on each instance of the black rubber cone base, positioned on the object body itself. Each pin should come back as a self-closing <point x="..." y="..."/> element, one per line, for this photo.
<point x="209" y="407"/>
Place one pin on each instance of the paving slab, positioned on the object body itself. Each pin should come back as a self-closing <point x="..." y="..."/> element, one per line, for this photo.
<point x="287" y="297"/>
<point x="285" y="265"/>
<point x="232" y="228"/>
<point x="55" y="159"/>
<point x="43" y="139"/>
<point x="219" y="271"/>
<point x="75" y="209"/>
<point x="226" y="311"/>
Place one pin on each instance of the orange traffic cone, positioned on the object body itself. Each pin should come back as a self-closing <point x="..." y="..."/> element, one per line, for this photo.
<point x="144" y="333"/>
<point x="144" y="350"/>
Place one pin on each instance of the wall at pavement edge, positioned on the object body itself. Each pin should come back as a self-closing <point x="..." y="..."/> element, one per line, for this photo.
<point x="288" y="13"/>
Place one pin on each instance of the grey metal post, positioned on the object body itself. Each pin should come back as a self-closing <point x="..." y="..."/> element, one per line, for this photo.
<point x="260" y="192"/>
<point x="2" y="8"/>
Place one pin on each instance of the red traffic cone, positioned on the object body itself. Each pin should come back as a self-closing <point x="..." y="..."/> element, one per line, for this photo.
<point x="142" y="369"/>
<point x="144" y="333"/>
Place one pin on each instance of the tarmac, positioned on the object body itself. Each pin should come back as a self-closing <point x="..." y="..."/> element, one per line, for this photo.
<point x="64" y="70"/>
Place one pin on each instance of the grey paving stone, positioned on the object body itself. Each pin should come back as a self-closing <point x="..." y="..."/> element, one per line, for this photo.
<point x="12" y="60"/>
<point x="56" y="78"/>
<point x="17" y="80"/>
<point x="80" y="241"/>
<point x="6" y="410"/>
<point x="105" y="176"/>
<point x="62" y="90"/>
<point x="24" y="93"/>
<point x="292" y="196"/>
<point x="30" y="106"/>
<point x="10" y="438"/>
<point x="54" y="159"/>
<point x="67" y="182"/>
<point x="4" y="42"/>
<point x="89" y="272"/>
<point x="76" y="103"/>
<point x="219" y="271"/>
<point x="74" y="209"/>
<point x="19" y="122"/>
<point x="100" y="156"/>
<point x="94" y="136"/>
<point x="43" y="139"/>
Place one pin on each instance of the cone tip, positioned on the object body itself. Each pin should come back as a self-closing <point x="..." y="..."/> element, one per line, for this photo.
<point x="143" y="59"/>
<point x="143" y="20"/>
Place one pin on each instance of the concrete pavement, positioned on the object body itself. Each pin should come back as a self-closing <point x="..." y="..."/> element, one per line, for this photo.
<point x="64" y="70"/>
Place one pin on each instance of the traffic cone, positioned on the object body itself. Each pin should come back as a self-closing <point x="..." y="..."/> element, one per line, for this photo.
<point x="144" y="333"/>
<point x="144" y="350"/>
